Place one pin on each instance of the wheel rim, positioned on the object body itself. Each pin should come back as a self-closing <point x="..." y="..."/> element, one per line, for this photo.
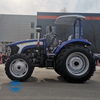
<point x="77" y="64"/>
<point x="19" y="68"/>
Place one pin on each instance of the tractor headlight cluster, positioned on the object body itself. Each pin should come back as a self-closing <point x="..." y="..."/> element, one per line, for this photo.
<point x="8" y="51"/>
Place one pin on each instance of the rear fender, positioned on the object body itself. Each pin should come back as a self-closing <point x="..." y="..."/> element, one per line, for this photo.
<point x="78" y="41"/>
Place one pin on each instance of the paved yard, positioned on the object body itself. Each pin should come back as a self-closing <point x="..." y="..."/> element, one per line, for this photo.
<point x="45" y="84"/>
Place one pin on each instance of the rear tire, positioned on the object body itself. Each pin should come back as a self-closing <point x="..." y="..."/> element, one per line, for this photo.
<point x="19" y="67"/>
<point x="75" y="63"/>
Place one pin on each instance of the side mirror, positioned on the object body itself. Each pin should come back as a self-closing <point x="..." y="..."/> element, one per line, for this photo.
<point x="50" y="28"/>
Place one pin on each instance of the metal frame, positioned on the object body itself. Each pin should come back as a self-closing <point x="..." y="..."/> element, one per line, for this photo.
<point x="80" y="36"/>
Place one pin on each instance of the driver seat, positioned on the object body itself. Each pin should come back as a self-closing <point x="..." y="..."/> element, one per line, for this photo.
<point x="50" y="39"/>
<point x="70" y="37"/>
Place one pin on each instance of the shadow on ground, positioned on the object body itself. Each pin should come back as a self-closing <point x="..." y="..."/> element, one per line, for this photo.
<point x="43" y="80"/>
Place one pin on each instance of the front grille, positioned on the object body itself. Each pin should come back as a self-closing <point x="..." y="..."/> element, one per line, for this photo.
<point x="14" y="49"/>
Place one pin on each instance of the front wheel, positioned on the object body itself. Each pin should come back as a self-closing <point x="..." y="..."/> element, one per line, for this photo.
<point x="76" y="63"/>
<point x="19" y="67"/>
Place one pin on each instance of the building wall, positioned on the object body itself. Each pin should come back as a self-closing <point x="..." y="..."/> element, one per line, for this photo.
<point x="16" y="27"/>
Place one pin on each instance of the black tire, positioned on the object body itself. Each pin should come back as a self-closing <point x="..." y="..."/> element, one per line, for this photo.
<point x="19" y="63"/>
<point x="56" y="70"/>
<point x="67" y="64"/>
<point x="58" y="58"/>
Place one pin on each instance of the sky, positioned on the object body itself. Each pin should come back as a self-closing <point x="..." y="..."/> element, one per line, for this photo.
<point x="31" y="7"/>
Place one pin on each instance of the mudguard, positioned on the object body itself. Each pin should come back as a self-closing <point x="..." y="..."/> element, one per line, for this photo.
<point x="79" y="41"/>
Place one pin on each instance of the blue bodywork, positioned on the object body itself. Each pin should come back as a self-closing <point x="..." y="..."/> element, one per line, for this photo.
<point x="80" y="41"/>
<point x="56" y="50"/>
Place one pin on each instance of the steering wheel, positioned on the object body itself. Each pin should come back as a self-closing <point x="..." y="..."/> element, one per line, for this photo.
<point x="55" y="35"/>
<point x="50" y="29"/>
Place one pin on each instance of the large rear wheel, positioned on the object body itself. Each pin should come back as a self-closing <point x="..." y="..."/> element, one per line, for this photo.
<point x="76" y="63"/>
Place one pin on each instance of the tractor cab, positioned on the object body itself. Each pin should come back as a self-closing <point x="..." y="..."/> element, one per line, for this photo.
<point x="71" y="20"/>
<point x="65" y="20"/>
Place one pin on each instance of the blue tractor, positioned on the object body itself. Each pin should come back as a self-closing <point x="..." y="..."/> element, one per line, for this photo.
<point x="71" y="59"/>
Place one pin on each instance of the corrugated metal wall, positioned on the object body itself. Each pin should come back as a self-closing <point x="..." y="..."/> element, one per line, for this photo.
<point x="16" y="27"/>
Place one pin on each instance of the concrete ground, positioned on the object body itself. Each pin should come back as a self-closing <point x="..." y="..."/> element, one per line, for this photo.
<point x="45" y="84"/>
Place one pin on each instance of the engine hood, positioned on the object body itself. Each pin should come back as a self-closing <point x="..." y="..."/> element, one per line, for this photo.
<point x="24" y="41"/>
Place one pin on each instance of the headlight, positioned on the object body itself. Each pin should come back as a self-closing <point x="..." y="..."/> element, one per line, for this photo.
<point x="8" y="51"/>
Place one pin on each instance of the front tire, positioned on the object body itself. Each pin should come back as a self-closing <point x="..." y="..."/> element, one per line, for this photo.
<point x="76" y="63"/>
<point x="19" y="67"/>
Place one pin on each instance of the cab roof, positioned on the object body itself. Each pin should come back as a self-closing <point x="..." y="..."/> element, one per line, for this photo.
<point x="68" y="19"/>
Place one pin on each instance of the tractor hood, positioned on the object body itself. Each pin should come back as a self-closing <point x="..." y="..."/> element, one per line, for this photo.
<point x="24" y="41"/>
<point x="20" y="46"/>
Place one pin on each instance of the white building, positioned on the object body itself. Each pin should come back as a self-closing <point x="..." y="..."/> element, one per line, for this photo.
<point x="16" y="28"/>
